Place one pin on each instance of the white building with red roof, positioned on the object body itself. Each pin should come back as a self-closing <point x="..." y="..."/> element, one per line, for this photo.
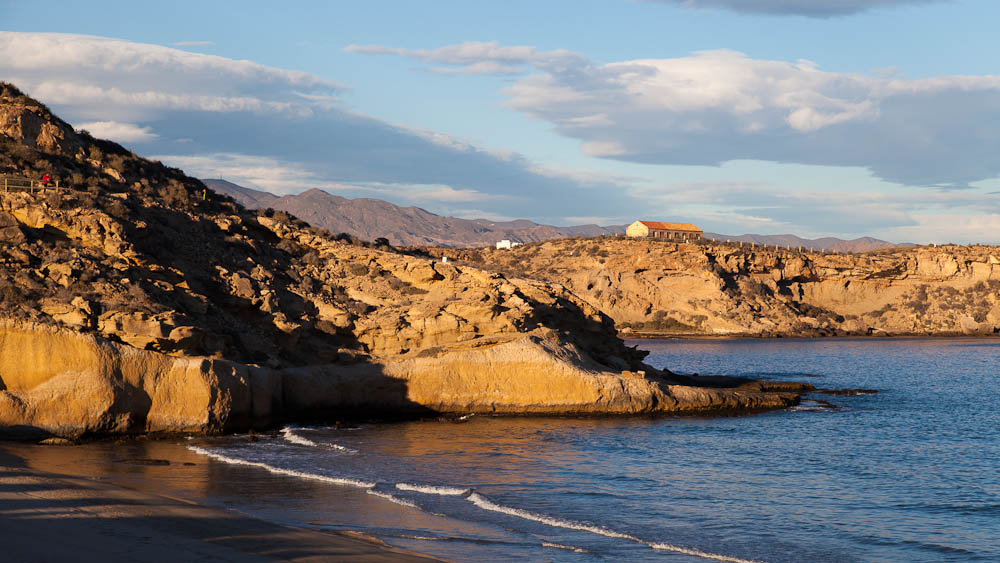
<point x="657" y="229"/>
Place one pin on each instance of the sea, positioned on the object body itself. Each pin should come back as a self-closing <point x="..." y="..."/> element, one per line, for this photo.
<point x="910" y="473"/>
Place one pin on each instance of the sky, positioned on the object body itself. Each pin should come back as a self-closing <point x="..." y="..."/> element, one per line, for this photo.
<point x="838" y="118"/>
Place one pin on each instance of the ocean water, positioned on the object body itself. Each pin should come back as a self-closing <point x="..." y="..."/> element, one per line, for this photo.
<point x="911" y="473"/>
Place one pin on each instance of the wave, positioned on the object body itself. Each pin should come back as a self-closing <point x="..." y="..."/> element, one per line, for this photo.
<point x="432" y="490"/>
<point x="391" y="498"/>
<point x="566" y="547"/>
<point x="280" y="471"/>
<point x="486" y="504"/>
<point x="288" y="433"/>
<point x="696" y="553"/>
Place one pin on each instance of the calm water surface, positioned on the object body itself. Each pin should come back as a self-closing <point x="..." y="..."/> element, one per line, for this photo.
<point x="908" y="474"/>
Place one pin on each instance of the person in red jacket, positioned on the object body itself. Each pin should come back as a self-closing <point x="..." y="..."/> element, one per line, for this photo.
<point x="46" y="180"/>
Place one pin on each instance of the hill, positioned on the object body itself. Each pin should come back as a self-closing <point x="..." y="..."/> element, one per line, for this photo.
<point x="134" y="299"/>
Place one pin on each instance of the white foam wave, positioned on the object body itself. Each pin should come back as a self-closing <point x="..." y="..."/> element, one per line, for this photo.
<point x="432" y="490"/>
<point x="288" y="433"/>
<point x="282" y="471"/>
<point x="486" y="504"/>
<point x="566" y="547"/>
<point x="697" y="553"/>
<point x="391" y="498"/>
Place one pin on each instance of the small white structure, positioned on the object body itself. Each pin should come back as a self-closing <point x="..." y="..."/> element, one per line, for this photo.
<point x="507" y="244"/>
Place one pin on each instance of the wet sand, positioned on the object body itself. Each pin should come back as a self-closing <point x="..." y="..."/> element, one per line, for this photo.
<point x="48" y="512"/>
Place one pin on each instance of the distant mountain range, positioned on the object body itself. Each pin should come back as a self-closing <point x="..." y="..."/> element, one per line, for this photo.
<point x="409" y="226"/>
<point x="862" y="244"/>
<point x="369" y="219"/>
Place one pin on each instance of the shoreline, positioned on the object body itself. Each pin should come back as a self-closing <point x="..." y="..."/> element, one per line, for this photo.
<point x="97" y="518"/>
<point x="881" y="335"/>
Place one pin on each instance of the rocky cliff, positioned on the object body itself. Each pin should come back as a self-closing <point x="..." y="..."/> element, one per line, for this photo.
<point x="136" y="300"/>
<point x="729" y="289"/>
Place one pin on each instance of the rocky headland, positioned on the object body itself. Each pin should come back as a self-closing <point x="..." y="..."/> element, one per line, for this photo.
<point x="132" y="299"/>
<point x="658" y="287"/>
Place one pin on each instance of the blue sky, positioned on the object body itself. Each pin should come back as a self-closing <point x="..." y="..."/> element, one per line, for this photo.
<point x="838" y="117"/>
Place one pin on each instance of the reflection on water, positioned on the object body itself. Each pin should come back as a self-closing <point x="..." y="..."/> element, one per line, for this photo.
<point x="910" y="473"/>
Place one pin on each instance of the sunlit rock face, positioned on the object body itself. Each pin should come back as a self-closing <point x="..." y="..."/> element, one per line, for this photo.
<point x="729" y="289"/>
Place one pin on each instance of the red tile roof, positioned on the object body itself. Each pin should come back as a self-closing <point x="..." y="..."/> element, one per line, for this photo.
<point x="671" y="226"/>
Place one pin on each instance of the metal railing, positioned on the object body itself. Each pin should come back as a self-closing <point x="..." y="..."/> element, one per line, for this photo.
<point x="21" y="184"/>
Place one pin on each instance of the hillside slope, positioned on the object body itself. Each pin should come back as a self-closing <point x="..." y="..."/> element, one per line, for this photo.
<point x="723" y="289"/>
<point x="135" y="300"/>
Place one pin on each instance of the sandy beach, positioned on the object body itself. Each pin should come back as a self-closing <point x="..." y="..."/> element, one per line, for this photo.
<point x="48" y="514"/>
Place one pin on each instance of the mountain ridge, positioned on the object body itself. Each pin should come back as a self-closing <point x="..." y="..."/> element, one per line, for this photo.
<point x="370" y="218"/>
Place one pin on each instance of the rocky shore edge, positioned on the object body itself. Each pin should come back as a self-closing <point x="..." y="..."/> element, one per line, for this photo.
<point x="58" y="382"/>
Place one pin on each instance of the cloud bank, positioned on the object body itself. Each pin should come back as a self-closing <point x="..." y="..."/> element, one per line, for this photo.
<point x="810" y="8"/>
<point x="285" y="130"/>
<point x="717" y="106"/>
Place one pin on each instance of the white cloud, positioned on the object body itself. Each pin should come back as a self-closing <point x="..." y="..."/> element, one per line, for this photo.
<point x="282" y="177"/>
<point x="120" y="132"/>
<point x="280" y="130"/>
<point x="476" y="57"/>
<point x="811" y="8"/>
<point x="258" y="172"/>
<point x="717" y="106"/>
<point x="113" y="79"/>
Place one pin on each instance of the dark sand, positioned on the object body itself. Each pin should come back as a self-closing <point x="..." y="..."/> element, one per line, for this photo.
<point x="47" y="515"/>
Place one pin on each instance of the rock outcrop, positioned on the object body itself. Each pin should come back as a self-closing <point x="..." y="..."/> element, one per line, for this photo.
<point x="136" y="300"/>
<point x="727" y="289"/>
<point x="66" y="383"/>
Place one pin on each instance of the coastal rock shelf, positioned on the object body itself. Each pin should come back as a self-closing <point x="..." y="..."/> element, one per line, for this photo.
<point x="65" y="383"/>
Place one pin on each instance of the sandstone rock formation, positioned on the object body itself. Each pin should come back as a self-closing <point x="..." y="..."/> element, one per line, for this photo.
<point x="137" y="301"/>
<point x="725" y="289"/>
<point x="67" y="383"/>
